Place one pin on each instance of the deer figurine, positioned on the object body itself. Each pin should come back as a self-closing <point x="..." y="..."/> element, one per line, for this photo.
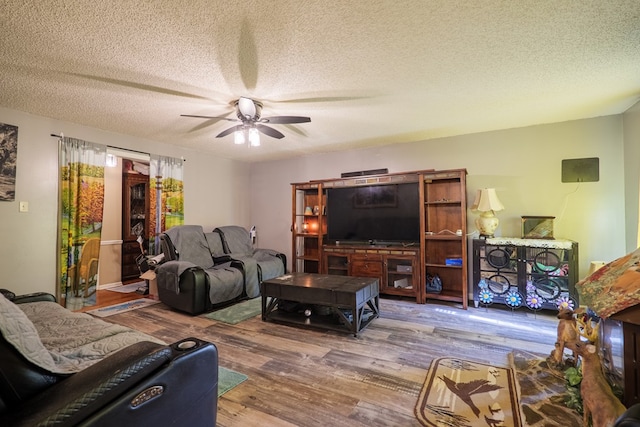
<point x="587" y="329"/>
<point x="598" y="400"/>
<point x="567" y="332"/>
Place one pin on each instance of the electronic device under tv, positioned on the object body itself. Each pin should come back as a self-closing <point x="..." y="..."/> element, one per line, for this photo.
<point x="374" y="214"/>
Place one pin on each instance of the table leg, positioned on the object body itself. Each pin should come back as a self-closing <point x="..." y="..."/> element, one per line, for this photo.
<point x="268" y="307"/>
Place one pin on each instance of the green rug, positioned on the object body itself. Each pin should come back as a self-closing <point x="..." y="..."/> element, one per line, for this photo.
<point x="238" y="312"/>
<point x="228" y="379"/>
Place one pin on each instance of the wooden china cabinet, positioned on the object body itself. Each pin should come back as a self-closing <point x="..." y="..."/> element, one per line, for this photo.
<point x="135" y="221"/>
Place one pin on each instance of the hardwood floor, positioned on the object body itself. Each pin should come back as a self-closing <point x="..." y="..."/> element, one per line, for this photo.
<point x="306" y="377"/>
<point x="106" y="298"/>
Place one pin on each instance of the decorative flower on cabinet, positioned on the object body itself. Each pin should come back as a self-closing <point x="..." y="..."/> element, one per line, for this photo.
<point x="513" y="299"/>
<point x="534" y="301"/>
<point x="486" y="296"/>
<point x="565" y="302"/>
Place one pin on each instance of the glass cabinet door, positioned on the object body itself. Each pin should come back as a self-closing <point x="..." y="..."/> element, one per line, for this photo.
<point x="308" y="228"/>
<point x="137" y="209"/>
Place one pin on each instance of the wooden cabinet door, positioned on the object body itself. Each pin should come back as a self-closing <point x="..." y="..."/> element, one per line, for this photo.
<point x="367" y="265"/>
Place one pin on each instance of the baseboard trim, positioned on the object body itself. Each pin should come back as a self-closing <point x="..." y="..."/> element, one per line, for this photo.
<point x="110" y="242"/>
<point x="109" y="285"/>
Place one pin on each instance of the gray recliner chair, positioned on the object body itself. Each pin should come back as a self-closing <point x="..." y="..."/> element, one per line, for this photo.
<point x="196" y="275"/>
<point x="259" y="264"/>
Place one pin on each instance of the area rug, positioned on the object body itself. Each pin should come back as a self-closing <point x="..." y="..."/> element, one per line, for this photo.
<point x="238" y="312"/>
<point x="127" y="289"/>
<point x="122" y="307"/>
<point x="542" y="392"/>
<point x="228" y="379"/>
<point x="461" y="393"/>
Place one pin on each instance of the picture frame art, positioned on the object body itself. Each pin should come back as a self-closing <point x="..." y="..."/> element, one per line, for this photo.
<point x="8" y="161"/>
<point x="537" y="227"/>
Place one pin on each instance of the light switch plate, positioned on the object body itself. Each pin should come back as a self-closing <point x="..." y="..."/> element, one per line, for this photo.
<point x="24" y="206"/>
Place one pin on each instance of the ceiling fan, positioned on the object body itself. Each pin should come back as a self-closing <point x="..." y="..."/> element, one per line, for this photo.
<point x="249" y="114"/>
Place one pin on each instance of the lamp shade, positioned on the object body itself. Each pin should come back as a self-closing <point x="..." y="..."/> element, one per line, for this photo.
<point x="487" y="200"/>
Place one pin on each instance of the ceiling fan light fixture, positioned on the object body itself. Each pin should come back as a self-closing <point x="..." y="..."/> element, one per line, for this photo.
<point x="238" y="137"/>
<point x="254" y="137"/>
<point x="249" y="113"/>
<point x="248" y="109"/>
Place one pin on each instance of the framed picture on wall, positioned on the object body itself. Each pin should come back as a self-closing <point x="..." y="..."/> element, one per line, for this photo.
<point x="8" y="161"/>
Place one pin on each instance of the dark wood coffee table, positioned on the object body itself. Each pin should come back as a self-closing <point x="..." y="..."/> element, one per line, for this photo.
<point x="334" y="302"/>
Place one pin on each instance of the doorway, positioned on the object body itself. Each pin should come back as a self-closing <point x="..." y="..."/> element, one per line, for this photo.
<point x="118" y="249"/>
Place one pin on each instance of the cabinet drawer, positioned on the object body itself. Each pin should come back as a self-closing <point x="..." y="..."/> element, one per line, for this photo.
<point x="366" y="268"/>
<point x="366" y="257"/>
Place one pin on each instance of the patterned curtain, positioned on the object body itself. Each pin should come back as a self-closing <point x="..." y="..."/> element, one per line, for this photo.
<point x="81" y="204"/>
<point x="167" y="197"/>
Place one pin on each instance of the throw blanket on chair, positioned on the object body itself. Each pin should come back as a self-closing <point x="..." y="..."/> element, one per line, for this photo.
<point x="168" y="274"/>
<point x="191" y="245"/>
<point x="61" y="341"/>
<point x="236" y="242"/>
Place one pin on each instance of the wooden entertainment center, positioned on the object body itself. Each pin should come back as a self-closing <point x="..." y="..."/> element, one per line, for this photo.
<point x="403" y="266"/>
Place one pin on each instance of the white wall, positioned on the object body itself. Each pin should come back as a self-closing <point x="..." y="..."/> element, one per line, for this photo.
<point x="631" y="120"/>
<point x="215" y="194"/>
<point x="524" y="165"/>
<point x="109" y="267"/>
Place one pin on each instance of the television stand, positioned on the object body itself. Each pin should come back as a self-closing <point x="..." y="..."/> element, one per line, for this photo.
<point x="362" y="244"/>
<point x="396" y="267"/>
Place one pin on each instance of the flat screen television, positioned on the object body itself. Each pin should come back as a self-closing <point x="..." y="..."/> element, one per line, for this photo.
<point x="375" y="214"/>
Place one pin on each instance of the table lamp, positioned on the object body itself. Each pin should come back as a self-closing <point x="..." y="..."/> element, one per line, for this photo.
<point x="487" y="203"/>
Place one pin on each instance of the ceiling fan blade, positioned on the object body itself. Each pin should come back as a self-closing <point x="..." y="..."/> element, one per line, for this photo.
<point x="229" y="131"/>
<point x="209" y="117"/>
<point x="270" y="131"/>
<point x="285" y="119"/>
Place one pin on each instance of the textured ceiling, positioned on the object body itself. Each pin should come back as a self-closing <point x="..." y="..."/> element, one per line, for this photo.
<point x="366" y="72"/>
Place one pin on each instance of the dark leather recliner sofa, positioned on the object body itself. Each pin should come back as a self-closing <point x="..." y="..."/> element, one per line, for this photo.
<point x="202" y="272"/>
<point x="143" y="384"/>
<point x="630" y="418"/>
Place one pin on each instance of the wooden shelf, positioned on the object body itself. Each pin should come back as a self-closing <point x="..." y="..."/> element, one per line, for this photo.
<point x="444" y="195"/>
<point x="443" y="237"/>
<point x="443" y="202"/>
<point x="442" y="265"/>
<point x="308" y="229"/>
